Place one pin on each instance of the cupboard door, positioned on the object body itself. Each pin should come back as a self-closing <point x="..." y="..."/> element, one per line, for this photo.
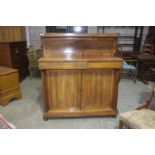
<point x="98" y="89"/>
<point x="63" y="88"/>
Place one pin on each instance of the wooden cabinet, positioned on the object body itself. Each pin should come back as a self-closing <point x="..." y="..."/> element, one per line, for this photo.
<point x="9" y="85"/>
<point x="80" y="75"/>
<point x="150" y="38"/>
<point x="12" y="33"/>
<point x="13" y="54"/>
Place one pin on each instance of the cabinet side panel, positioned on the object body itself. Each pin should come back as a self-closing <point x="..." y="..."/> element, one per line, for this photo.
<point x="5" y="57"/>
<point x="45" y="89"/>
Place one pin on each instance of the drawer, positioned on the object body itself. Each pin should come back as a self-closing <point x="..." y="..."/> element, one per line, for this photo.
<point x="80" y="65"/>
<point x="63" y="65"/>
<point x="100" y="65"/>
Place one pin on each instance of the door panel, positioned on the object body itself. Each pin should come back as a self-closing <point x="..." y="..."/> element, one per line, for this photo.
<point x="63" y="90"/>
<point x="97" y="89"/>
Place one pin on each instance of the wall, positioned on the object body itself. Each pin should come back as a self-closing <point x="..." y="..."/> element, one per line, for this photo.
<point x="34" y="32"/>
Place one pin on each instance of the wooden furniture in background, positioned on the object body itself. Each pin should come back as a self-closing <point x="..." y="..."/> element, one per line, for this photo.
<point x="12" y="33"/>
<point x="147" y="49"/>
<point x="9" y="85"/>
<point x="13" y="54"/>
<point x="145" y="62"/>
<point x="13" y="49"/>
<point x="150" y="38"/>
<point x="140" y="118"/>
<point x="80" y="74"/>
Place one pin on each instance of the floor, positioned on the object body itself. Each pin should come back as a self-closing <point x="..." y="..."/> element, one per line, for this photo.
<point x="26" y="113"/>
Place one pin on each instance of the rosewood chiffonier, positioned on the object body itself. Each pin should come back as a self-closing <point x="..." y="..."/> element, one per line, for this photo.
<point x="80" y="74"/>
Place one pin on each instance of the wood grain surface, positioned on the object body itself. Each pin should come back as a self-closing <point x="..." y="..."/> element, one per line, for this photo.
<point x="80" y="75"/>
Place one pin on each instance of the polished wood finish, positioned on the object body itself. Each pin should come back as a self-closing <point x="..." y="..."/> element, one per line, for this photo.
<point x="46" y="63"/>
<point x="80" y="75"/>
<point x="13" y="54"/>
<point x="70" y="45"/>
<point x="9" y="85"/>
<point x="12" y="33"/>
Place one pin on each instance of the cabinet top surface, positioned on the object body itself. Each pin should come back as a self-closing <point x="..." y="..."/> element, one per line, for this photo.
<point x="5" y="42"/>
<point x="46" y="35"/>
<point x="6" y="70"/>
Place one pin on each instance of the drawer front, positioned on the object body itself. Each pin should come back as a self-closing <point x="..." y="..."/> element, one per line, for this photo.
<point x="63" y="65"/>
<point x="80" y="65"/>
<point x="8" y="81"/>
<point x="97" y="65"/>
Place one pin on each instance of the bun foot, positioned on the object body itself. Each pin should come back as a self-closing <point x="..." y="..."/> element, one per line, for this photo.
<point x="45" y="118"/>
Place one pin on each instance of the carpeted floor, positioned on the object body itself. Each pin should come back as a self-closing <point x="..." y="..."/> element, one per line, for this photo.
<point x="27" y="112"/>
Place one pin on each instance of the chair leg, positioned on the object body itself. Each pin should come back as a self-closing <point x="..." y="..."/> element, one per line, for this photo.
<point x="135" y="76"/>
<point x="120" y="124"/>
<point x="31" y="74"/>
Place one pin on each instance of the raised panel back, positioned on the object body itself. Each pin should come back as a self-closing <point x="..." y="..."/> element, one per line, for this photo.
<point x="79" y="45"/>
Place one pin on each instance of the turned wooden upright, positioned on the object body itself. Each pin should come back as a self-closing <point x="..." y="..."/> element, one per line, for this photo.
<point x="80" y="74"/>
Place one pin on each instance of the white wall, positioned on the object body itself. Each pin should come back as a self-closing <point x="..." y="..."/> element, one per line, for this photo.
<point x="27" y="34"/>
<point x="35" y="32"/>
